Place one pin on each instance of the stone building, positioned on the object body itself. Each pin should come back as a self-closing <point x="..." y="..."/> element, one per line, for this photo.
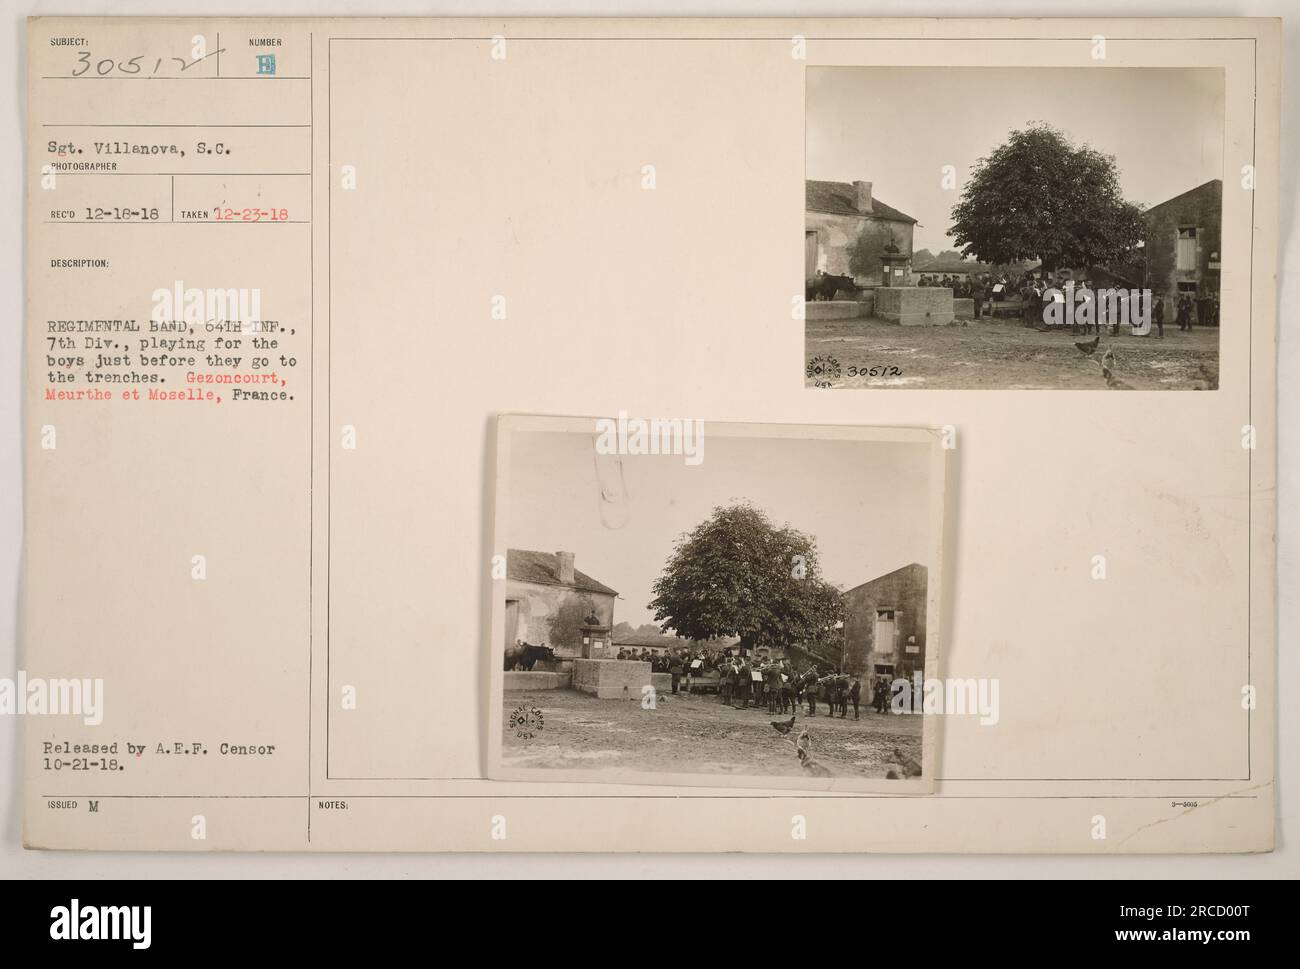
<point x="1182" y="245"/>
<point x="551" y="603"/>
<point x="849" y="232"/>
<point x="884" y="624"/>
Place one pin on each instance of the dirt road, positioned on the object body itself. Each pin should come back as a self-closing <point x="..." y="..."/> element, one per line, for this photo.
<point x="1002" y="355"/>
<point x="695" y="734"/>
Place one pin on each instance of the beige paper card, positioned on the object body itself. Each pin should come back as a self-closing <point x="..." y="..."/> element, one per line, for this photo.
<point x="286" y="276"/>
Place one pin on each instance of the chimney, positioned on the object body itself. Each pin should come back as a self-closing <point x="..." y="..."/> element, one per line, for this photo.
<point x="565" y="569"/>
<point x="863" y="190"/>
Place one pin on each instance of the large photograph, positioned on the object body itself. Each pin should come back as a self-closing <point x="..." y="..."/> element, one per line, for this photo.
<point x="738" y="605"/>
<point x="1013" y="228"/>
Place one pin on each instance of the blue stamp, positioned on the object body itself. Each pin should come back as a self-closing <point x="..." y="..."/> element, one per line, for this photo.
<point x="265" y="63"/>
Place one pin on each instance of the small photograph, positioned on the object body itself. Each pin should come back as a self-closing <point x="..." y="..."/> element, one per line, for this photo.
<point x="682" y="602"/>
<point x="1013" y="228"/>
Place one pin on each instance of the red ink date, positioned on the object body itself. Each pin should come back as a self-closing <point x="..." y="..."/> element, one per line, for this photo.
<point x="227" y="214"/>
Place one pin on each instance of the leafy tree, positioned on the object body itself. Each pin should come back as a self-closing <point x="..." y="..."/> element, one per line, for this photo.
<point x="1040" y="196"/>
<point x="736" y="574"/>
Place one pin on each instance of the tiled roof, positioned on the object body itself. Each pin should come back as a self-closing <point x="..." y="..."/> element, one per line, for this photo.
<point x="543" y="568"/>
<point x="841" y="198"/>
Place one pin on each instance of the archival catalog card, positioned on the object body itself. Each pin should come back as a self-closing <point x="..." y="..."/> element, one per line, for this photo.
<point x="685" y="435"/>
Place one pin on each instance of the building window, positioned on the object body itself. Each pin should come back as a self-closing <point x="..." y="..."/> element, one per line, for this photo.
<point x="886" y="626"/>
<point x="1185" y="257"/>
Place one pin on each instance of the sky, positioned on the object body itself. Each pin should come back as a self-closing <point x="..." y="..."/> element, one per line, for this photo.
<point x="897" y="127"/>
<point x="864" y="502"/>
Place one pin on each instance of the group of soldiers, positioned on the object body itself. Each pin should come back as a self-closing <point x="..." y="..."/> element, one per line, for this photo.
<point x="1035" y="294"/>
<point x="837" y="690"/>
<point x="981" y="288"/>
<point x="774" y="685"/>
<point x="1202" y="309"/>
<point x="963" y="287"/>
<point x="777" y="686"/>
<point x="659" y="662"/>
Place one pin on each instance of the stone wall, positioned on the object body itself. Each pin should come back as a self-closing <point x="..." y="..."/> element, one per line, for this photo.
<point x="915" y="305"/>
<point x="611" y="679"/>
<point x="534" y="680"/>
<point x="832" y="310"/>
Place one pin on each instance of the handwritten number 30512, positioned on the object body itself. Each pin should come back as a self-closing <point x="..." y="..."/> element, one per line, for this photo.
<point x="108" y="65"/>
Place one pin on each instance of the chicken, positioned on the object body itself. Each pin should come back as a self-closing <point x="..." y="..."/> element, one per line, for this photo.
<point x="783" y="727"/>
<point x="1107" y="365"/>
<point x="1087" y="346"/>
<point x="803" y="745"/>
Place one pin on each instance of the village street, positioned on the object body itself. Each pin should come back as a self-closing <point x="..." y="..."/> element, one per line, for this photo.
<point x="1004" y="355"/>
<point x="698" y="734"/>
